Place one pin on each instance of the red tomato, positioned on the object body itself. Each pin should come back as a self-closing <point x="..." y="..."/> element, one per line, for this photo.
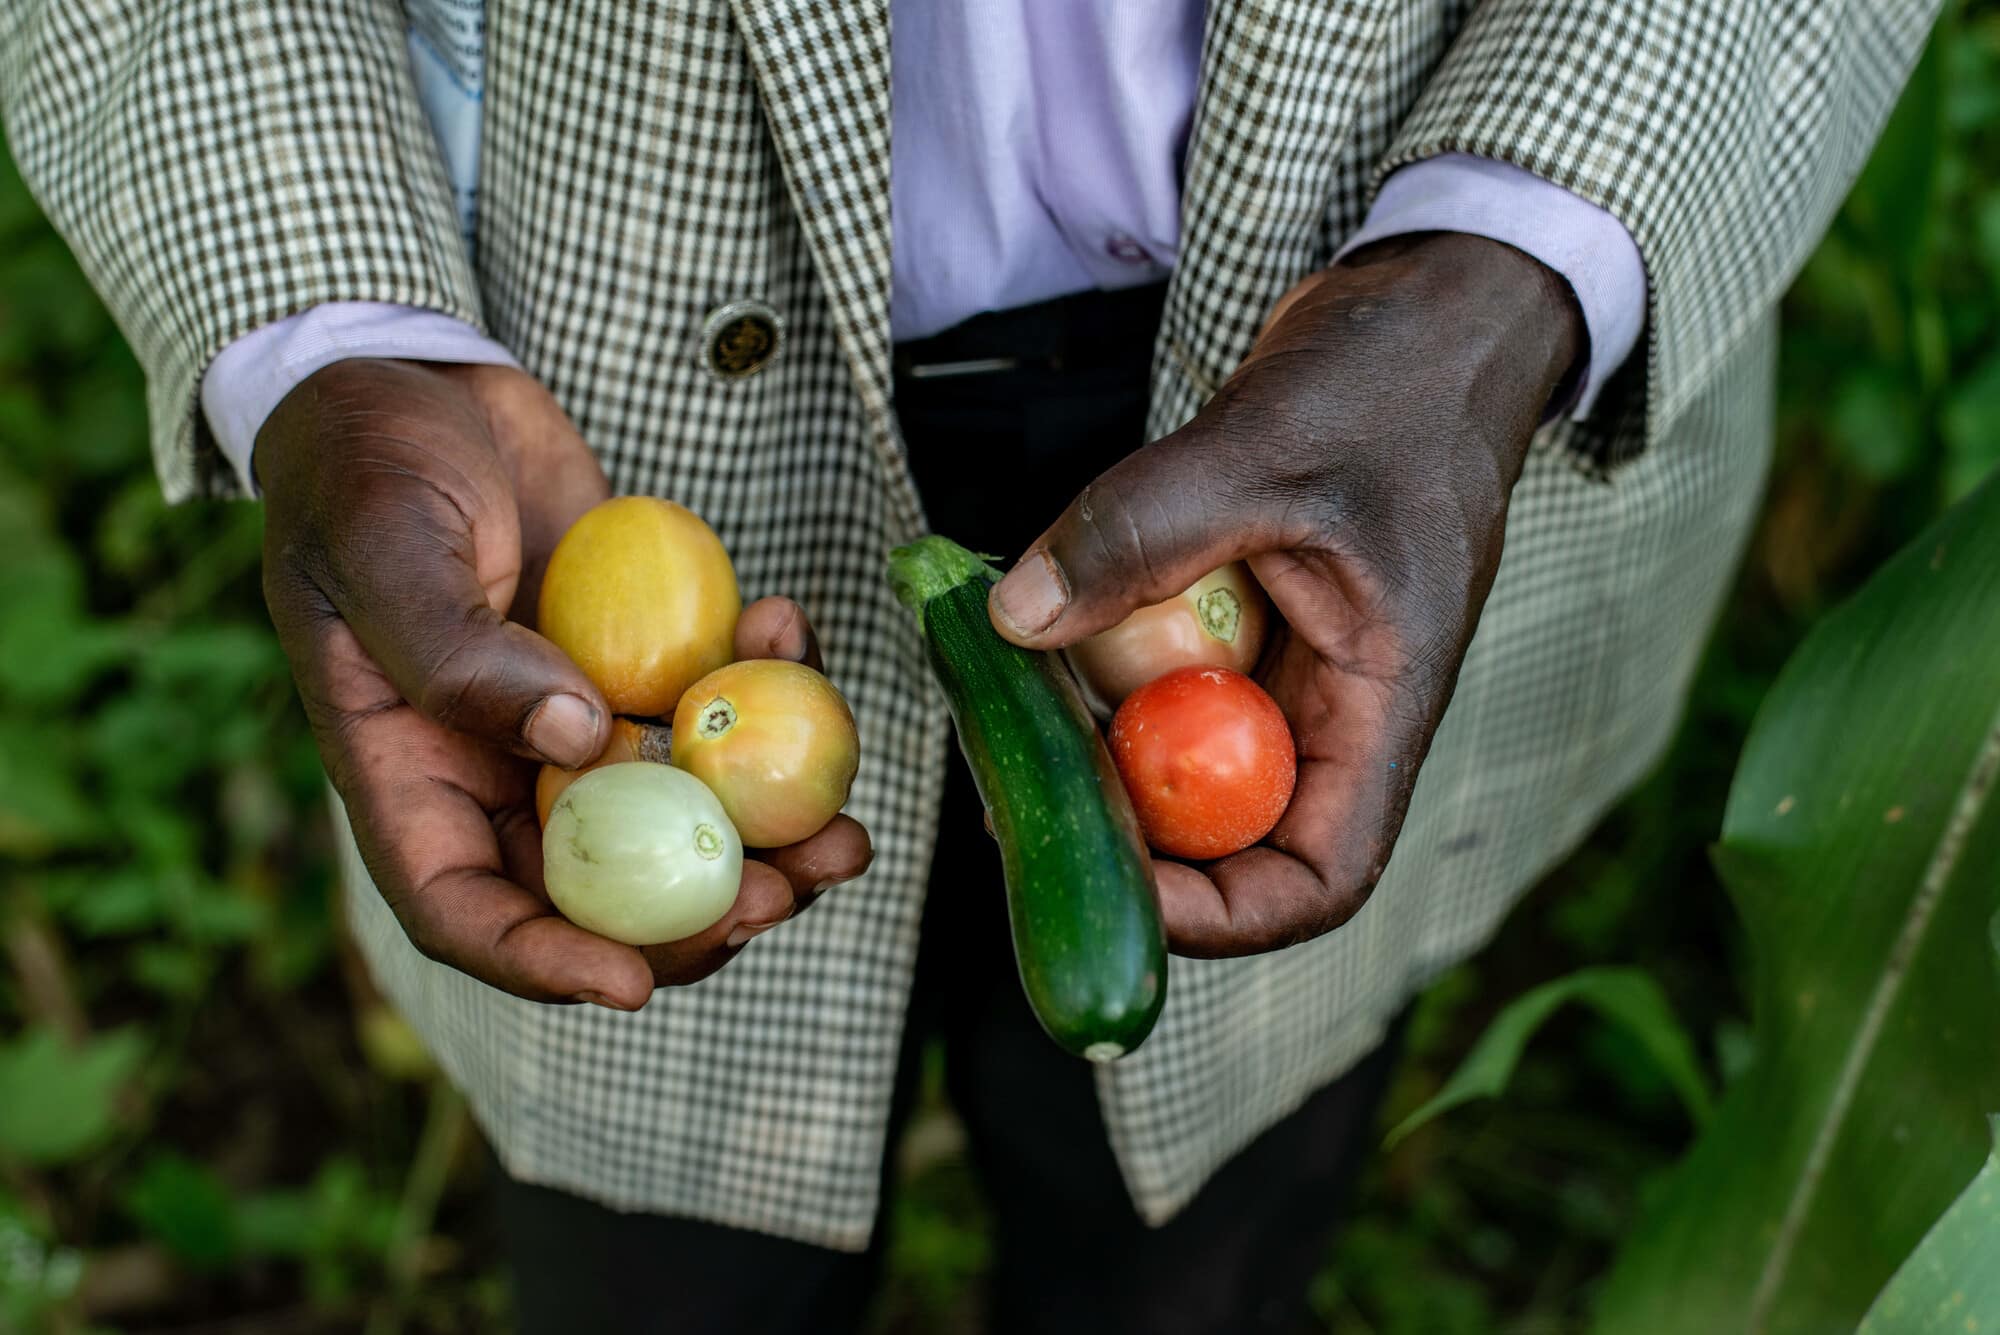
<point x="1208" y="760"/>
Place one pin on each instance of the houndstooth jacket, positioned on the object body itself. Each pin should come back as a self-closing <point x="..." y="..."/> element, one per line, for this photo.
<point x="220" y="164"/>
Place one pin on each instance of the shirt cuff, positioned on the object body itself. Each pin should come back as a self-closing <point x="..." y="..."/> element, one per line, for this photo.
<point x="249" y="378"/>
<point x="1458" y="192"/>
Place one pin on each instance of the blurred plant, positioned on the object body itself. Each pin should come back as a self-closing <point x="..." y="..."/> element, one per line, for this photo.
<point x="1891" y="386"/>
<point x="1955" y="1272"/>
<point x="166" y="940"/>
<point x="222" y="1144"/>
<point x="1517" y="1206"/>
<point x="1859" y="845"/>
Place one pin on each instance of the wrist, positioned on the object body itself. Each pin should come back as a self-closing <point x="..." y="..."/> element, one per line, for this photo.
<point x="1513" y="316"/>
<point x="347" y="408"/>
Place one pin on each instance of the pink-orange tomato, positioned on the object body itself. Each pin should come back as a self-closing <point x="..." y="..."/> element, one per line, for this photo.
<point x="1218" y="621"/>
<point x="775" y="741"/>
<point x="1208" y="760"/>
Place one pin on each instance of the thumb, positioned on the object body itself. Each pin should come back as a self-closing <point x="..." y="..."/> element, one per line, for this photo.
<point x="1153" y="524"/>
<point x="463" y="664"/>
<point x="389" y="508"/>
<point x="433" y="626"/>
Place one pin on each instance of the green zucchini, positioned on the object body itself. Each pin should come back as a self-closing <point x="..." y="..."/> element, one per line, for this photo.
<point x="1080" y="898"/>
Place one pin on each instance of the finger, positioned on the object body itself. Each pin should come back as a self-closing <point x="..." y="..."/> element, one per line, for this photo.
<point x="762" y="902"/>
<point x="421" y="612"/>
<point x="423" y="804"/>
<point x="547" y="512"/>
<point x="1254" y="901"/>
<point x="839" y="852"/>
<point x="776" y="627"/>
<point x="485" y="925"/>
<point x="555" y="477"/>
<point x="1150" y="526"/>
<point x="518" y="829"/>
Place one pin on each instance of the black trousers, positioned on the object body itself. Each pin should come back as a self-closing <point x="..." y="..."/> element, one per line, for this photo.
<point x="997" y="454"/>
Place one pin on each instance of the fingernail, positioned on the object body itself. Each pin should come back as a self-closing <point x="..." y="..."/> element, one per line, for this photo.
<point x="598" y="999"/>
<point x="564" y="729"/>
<point x="1032" y="596"/>
<point x="743" y="931"/>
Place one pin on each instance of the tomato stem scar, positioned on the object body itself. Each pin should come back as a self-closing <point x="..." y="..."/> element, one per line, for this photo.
<point x="1220" y="614"/>
<point x="717" y="717"/>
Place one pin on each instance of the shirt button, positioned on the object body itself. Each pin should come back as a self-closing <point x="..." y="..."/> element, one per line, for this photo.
<point x="740" y="338"/>
<point x="1125" y="250"/>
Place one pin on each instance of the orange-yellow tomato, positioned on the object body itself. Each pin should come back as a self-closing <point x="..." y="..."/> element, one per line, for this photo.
<point x="1218" y="621"/>
<point x="641" y="594"/>
<point x="775" y="741"/>
<point x="630" y="740"/>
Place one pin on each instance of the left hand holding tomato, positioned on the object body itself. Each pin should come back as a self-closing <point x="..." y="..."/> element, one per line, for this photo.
<point x="408" y="507"/>
<point x="1361" y="460"/>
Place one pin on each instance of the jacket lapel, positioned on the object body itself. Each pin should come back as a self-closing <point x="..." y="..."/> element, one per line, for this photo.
<point x="822" y="67"/>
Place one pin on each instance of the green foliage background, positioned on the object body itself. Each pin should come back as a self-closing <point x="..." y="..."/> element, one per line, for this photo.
<point x="206" y="1116"/>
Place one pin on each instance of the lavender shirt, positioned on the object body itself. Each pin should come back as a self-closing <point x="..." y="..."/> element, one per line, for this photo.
<point x="1036" y="151"/>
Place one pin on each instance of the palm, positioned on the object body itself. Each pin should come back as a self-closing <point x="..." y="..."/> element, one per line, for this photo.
<point x="1333" y="667"/>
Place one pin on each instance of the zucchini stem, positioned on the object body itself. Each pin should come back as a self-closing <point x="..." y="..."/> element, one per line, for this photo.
<point x="933" y="565"/>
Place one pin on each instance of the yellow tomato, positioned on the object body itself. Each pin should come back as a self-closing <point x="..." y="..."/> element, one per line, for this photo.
<point x="630" y="740"/>
<point x="776" y="743"/>
<point x="641" y="594"/>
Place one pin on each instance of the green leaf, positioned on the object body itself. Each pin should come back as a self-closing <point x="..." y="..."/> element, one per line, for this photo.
<point x="1986" y="225"/>
<point x="58" y="1102"/>
<point x="1874" y="421"/>
<point x="42" y="807"/>
<point x="173" y="970"/>
<point x="37" y="1276"/>
<point x="1627" y="997"/>
<point x="49" y="649"/>
<point x="187" y="1208"/>
<point x="114" y="902"/>
<point x="1952" y="1280"/>
<point x="1859" y="846"/>
<point x="1971" y="425"/>
<point x="1891" y="200"/>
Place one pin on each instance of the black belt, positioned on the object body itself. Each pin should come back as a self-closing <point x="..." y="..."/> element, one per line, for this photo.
<point x="1082" y="332"/>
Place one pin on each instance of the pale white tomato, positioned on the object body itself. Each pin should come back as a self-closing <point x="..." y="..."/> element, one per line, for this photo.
<point x="631" y="739"/>
<point x="1218" y="621"/>
<point x="642" y="853"/>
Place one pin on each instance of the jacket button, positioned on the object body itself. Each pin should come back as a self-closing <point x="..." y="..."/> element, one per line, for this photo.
<point x="740" y="338"/>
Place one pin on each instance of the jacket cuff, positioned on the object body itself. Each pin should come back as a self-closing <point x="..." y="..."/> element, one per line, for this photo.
<point x="1587" y="246"/>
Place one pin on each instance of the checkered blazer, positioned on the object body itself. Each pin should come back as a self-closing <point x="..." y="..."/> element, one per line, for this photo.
<point x="219" y="164"/>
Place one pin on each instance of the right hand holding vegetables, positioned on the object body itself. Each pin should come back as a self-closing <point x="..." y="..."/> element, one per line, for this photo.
<point x="408" y="508"/>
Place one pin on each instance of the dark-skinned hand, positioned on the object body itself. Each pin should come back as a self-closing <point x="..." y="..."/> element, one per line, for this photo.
<point x="408" y="508"/>
<point x="1360" y="460"/>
